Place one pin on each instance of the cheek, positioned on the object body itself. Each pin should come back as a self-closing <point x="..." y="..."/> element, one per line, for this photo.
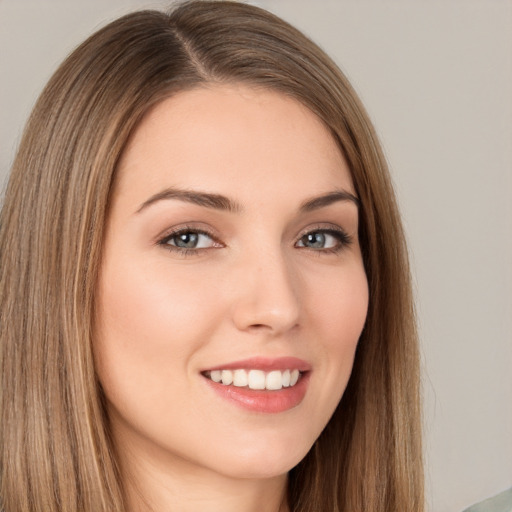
<point x="146" y="307"/>
<point x="149" y="325"/>
<point x="341" y="306"/>
<point x="340" y="314"/>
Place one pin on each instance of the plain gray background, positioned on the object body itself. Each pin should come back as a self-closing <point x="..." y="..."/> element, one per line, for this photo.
<point x="436" y="78"/>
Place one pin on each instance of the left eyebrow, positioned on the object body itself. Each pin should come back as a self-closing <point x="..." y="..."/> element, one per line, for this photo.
<point x="327" y="199"/>
<point x="215" y="201"/>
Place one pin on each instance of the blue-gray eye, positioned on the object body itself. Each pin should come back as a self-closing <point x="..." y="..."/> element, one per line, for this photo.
<point x="315" y="240"/>
<point x="323" y="240"/>
<point x="189" y="240"/>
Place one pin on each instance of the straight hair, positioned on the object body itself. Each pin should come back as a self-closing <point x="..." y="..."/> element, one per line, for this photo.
<point x="56" y="448"/>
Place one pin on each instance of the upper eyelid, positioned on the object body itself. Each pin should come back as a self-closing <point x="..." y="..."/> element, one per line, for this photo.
<point x="207" y="231"/>
<point x="323" y="226"/>
<point x="213" y="234"/>
<point x="169" y="233"/>
<point x="330" y="231"/>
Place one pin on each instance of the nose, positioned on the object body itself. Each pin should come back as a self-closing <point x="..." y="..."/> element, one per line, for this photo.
<point x="266" y="295"/>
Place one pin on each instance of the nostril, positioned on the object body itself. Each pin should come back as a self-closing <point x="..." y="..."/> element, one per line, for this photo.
<point x="271" y="305"/>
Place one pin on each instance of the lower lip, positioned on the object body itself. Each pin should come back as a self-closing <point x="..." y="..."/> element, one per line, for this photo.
<point x="264" y="401"/>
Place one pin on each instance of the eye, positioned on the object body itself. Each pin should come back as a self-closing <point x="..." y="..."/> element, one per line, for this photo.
<point x="331" y="240"/>
<point x="189" y="240"/>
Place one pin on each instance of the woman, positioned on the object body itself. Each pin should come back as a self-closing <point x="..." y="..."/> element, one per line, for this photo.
<point x="205" y="291"/>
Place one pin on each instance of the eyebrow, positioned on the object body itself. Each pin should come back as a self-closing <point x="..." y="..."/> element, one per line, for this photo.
<point x="215" y="201"/>
<point x="327" y="199"/>
<point x="223" y="203"/>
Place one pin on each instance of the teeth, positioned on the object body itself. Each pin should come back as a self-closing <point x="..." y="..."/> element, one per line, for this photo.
<point x="274" y="380"/>
<point x="240" y="378"/>
<point x="227" y="377"/>
<point x="216" y="375"/>
<point x="286" y="378"/>
<point x="256" y="379"/>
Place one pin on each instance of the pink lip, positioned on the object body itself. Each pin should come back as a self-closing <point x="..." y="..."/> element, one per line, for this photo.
<point x="265" y="364"/>
<point x="264" y="401"/>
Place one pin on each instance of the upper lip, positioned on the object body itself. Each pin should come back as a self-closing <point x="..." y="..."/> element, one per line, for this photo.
<point x="265" y="364"/>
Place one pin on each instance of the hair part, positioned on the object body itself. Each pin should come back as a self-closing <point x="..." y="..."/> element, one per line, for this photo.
<point x="56" y="451"/>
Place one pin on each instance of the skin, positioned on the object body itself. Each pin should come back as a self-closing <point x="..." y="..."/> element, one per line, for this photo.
<point x="256" y="287"/>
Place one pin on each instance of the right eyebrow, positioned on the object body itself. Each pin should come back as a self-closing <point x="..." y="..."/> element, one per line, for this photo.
<point x="215" y="201"/>
<point x="327" y="199"/>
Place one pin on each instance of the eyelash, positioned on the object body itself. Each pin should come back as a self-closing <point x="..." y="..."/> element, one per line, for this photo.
<point x="183" y="251"/>
<point x="343" y="239"/>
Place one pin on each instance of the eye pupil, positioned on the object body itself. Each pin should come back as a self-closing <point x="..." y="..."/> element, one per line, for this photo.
<point x="315" y="240"/>
<point x="187" y="240"/>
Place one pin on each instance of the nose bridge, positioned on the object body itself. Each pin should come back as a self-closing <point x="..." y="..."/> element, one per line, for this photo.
<point x="267" y="292"/>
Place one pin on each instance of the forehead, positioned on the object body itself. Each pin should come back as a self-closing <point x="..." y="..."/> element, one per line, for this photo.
<point x="232" y="140"/>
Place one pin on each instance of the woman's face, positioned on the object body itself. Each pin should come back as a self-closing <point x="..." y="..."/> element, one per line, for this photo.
<point x="231" y="253"/>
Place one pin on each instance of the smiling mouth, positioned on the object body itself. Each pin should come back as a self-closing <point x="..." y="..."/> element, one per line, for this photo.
<point x="256" y="379"/>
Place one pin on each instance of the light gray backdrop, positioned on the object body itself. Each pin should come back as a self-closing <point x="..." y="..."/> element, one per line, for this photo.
<point x="437" y="80"/>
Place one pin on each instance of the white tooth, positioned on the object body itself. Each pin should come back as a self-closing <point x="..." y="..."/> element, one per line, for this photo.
<point x="286" y="378"/>
<point x="227" y="377"/>
<point x="240" y="378"/>
<point x="216" y="375"/>
<point x="257" y="379"/>
<point x="274" y="380"/>
<point x="294" y="377"/>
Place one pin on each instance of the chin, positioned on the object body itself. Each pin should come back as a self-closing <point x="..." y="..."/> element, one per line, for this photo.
<point x="262" y="461"/>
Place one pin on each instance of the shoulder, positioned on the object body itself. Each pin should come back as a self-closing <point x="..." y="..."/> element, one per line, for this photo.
<point x="499" y="503"/>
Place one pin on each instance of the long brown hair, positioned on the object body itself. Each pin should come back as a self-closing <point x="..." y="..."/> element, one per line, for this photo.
<point x="56" y="452"/>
